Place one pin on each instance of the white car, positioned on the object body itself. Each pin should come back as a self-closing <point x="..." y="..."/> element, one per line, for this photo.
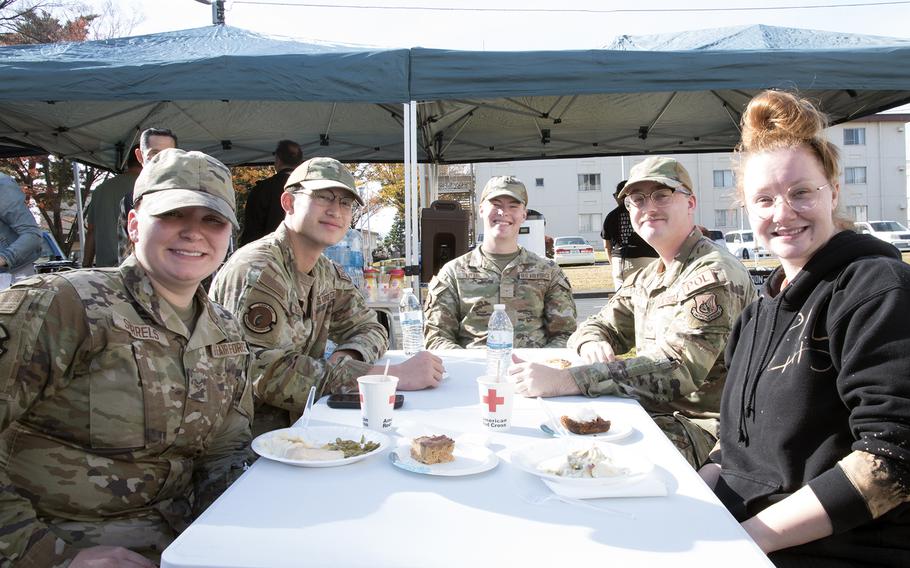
<point x="742" y="245"/>
<point x="572" y="250"/>
<point x="888" y="231"/>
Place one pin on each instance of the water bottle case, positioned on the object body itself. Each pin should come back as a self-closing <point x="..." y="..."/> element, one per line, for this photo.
<point x="352" y="400"/>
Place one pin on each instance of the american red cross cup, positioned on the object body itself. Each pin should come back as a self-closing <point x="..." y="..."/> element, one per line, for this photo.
<point x="495" y="403"/>
<point x="377" y="400"/>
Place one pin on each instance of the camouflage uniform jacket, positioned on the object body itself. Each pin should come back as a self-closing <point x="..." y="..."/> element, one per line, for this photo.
<point x="537" y="295"/>
<point x="287" y="318"/>
<point x="678" y="318"/>
<point x="111" y="412"/>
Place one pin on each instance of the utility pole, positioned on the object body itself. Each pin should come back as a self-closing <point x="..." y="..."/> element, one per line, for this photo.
<point x="217" y="10"/>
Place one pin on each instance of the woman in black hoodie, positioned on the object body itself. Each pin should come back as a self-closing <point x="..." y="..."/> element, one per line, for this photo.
<point x="814" y="450"/>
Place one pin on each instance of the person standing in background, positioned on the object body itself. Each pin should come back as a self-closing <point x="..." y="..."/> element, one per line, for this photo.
<point x="263" y="212"/>
<point x="626" y="250"/>
<point x="20" y="235"/>
<point x="102" y="217"/>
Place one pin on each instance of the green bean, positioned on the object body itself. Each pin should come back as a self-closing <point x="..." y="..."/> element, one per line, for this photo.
<point x="352" y="448"/>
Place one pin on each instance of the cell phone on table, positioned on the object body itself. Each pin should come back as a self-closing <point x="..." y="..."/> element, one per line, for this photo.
<point x="352" y="400"/>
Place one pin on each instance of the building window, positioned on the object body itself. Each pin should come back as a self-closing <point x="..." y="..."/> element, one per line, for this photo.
<point x="588" y="182"/>
<point x="858" y="212"/>
<point x="723" y="178"/>
<point x="854" y="136"/>
<point x="538" y="182"/>
<point x="855" y="175"/>
<point x="590" y="222"/>
<point x="726" y="218"/>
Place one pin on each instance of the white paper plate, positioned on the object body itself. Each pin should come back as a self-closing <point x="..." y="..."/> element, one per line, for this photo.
<point x="469" y="459"/>
<point x="529" y="458"/>
<point x="320" y="435"/>
<point x="617" y="431"/>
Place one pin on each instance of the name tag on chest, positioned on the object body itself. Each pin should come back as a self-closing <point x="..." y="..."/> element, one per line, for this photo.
<point x="139" y="331"/>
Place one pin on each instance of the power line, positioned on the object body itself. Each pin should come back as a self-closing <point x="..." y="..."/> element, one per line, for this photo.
<point x="572" y="10"/>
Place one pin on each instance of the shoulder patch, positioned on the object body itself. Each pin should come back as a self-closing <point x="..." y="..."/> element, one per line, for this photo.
<point x="701" y="280"/>
<point x="706" y="308"/>
<point x="260" y="318"/>
<point x="10" y="300"/>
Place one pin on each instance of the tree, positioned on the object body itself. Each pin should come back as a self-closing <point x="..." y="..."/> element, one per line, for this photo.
<point x="394" y="241"/>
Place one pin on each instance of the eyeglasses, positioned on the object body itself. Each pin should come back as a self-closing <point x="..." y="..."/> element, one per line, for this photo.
<point x="327" y="198"/>
<point x="799" y="199"/>
<point x="660" y="197"/>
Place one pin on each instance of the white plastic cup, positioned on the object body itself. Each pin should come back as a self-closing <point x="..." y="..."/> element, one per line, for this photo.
<point x="377" y="400"/>
<point x="495" y="403"/>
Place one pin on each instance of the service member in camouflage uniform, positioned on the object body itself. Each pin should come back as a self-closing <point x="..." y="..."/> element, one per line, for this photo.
<point x="124" y="403"/>
<point x="291" y="299"/>
<point x="677" y="312"/>
<point x="535" y="290"/>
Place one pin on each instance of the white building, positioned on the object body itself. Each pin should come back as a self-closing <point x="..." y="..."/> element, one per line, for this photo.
<point x="575" y="195"/>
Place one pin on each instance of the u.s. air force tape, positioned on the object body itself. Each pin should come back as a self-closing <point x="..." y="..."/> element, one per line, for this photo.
<point x="260" y="318"/>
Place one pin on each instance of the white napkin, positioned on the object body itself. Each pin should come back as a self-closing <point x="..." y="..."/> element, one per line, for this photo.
<point x="647" y="486"/>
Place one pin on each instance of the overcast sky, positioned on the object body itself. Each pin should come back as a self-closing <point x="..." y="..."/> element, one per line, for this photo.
<point x="565" y="24"/>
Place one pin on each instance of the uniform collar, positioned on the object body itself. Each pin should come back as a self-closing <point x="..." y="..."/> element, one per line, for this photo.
<point x="139" y="285"/>
<point x="302" y="282"/>
<point x="478" y="260"/>
<point x="672" y="271"/>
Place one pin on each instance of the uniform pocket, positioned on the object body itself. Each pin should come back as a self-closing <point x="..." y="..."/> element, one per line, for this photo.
<point x="116" y="401"/>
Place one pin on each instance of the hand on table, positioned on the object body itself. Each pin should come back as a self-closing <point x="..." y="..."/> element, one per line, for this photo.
<point x="110" y="556"/>
<point x="597" y="352"/>
<point x="537" y="379"/>
<point x="423" y="370"/>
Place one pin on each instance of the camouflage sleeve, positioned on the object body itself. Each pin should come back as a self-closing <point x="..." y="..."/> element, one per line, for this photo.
<point x="284" y="366"/>
<point x="354" y="327"/>
<point x="227" y="457"/>
<point x="559" y="311"/>
<point x="678" y="361"/>
<point x="41" y="324"/>
<point x="443" y="318"/>
<point x="615" y="324"/>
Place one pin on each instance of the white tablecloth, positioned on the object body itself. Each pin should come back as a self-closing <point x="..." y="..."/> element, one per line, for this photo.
<point x="372" y="514"/>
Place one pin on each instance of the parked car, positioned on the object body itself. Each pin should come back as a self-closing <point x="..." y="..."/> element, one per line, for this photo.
<point x="742" y="244"/>
<point x="572" y="250"/>
<point x="888" y="231"/>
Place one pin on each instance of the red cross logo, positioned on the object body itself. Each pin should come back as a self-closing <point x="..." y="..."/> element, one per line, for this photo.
<point x="492" y="401"/>
<point x="361" y="399"/>
<point x="392" y="399"/>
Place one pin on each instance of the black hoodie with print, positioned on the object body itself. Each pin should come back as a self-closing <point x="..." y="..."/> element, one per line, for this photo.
<point x="815" y="372"/>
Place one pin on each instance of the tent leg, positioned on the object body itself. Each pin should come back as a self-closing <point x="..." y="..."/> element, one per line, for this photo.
<point x="411" y="221"/>
<point x="80" y="217"/>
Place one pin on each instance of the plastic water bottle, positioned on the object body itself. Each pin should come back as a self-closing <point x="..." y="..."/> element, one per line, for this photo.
<point x="499" y="343"/>
<point x="349" y="254"/>
<point x="354" y="265"/>
<point x="411" y="315"/>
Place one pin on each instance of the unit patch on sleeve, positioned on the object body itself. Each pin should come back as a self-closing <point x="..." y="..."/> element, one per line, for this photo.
<point x="260" y="318"/>
<point x="706" y="308"/>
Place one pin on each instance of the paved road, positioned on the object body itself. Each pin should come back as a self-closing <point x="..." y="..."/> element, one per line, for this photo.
<point x="588" y="307"/>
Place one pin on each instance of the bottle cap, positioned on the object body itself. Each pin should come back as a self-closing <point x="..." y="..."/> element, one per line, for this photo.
<point x="499" y="306"/>
<point x="408" y="290"/>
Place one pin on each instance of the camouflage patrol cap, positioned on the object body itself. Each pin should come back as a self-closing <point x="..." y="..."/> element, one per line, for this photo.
<point x="175" y="178"/>
<point x="323" y="173"/>
<point x="505" y="185"/>
<point x="661" y="169"/>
